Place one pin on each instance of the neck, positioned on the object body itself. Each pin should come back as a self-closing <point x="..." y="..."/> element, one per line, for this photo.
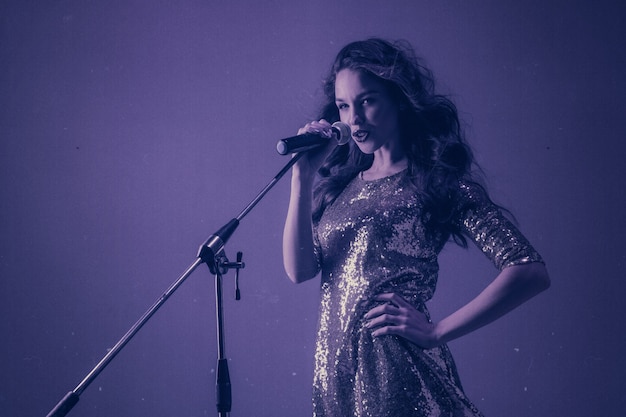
<point x="385" y="165"/>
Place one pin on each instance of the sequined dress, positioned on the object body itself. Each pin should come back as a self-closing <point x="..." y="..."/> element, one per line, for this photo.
<point x="371" y="240"/>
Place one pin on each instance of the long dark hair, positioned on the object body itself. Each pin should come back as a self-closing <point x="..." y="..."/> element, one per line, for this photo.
<point x="431" y="133"/>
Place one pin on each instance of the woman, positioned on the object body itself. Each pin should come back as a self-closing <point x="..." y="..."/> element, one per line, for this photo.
<point x="384" y="206"/>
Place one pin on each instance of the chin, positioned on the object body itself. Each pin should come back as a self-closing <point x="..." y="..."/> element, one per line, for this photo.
<point x="366" y="147"/>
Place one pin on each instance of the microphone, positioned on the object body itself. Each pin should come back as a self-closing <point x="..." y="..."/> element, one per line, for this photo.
<point x="300" y="143"/>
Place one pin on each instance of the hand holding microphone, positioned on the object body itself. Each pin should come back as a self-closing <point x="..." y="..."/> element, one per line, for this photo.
<point x="340" y="132"/>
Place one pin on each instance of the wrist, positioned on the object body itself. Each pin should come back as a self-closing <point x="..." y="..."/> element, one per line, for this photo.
<point x="301" y="179"/>
<point x="439" y="333"/>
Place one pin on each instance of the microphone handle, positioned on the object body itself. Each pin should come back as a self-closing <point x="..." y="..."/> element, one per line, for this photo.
<point x="300" y="143"/>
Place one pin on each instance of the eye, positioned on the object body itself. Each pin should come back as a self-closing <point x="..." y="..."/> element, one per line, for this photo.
<point x="342" y="106"/>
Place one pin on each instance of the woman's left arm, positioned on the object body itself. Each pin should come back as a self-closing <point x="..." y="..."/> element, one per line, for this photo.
<point x="511" y="288"/>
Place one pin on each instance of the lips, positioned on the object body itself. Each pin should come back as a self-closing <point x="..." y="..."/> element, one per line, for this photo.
<point x="360" y="135"/>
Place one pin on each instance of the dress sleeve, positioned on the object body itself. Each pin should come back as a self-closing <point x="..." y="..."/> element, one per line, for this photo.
<point x="495" y="235"/>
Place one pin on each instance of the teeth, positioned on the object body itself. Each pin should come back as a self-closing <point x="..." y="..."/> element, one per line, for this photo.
<point x="360" y="135"/>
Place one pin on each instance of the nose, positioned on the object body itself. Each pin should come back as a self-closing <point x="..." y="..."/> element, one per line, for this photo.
<point x="355" y="116"/>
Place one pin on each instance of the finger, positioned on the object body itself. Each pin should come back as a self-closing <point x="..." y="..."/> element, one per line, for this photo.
<point x="398" y="330"/>
<point x="394" y="299"/>
<point x="385" y="320"/>
<point x="323" y="123"/>
<point x="382" y="309"/>
<point x="321" y="127"/>
<point x="307" y="128"/>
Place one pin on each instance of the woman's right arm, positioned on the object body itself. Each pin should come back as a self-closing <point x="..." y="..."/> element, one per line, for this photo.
<point x="299" y="258"/>
<point x="298" y="254"/>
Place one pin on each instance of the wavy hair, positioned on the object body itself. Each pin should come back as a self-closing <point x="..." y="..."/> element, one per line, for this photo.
<point x="430" y="131"/>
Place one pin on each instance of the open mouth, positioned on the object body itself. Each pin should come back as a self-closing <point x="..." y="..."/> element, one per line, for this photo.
<point x="360" y="135"/>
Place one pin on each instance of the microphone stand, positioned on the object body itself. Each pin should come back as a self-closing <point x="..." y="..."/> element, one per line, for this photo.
<point x="212" y="253"/>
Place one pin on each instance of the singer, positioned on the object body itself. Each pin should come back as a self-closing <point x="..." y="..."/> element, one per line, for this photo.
<point x="372" y="217"/>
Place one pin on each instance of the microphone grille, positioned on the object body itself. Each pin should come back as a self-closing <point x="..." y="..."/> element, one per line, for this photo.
<point x="343" y="132"/>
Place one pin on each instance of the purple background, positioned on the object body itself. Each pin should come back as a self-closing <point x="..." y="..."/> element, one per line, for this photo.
<point x="132" y="130"/>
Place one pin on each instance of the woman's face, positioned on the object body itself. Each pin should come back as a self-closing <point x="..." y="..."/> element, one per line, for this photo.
<point x="365" y="105"/>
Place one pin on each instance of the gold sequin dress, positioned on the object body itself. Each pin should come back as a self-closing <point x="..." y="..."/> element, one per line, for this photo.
<point x="371" y="240"/>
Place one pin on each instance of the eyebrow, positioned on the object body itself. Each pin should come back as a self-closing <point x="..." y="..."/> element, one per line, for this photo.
<point x="365" y="93"/>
